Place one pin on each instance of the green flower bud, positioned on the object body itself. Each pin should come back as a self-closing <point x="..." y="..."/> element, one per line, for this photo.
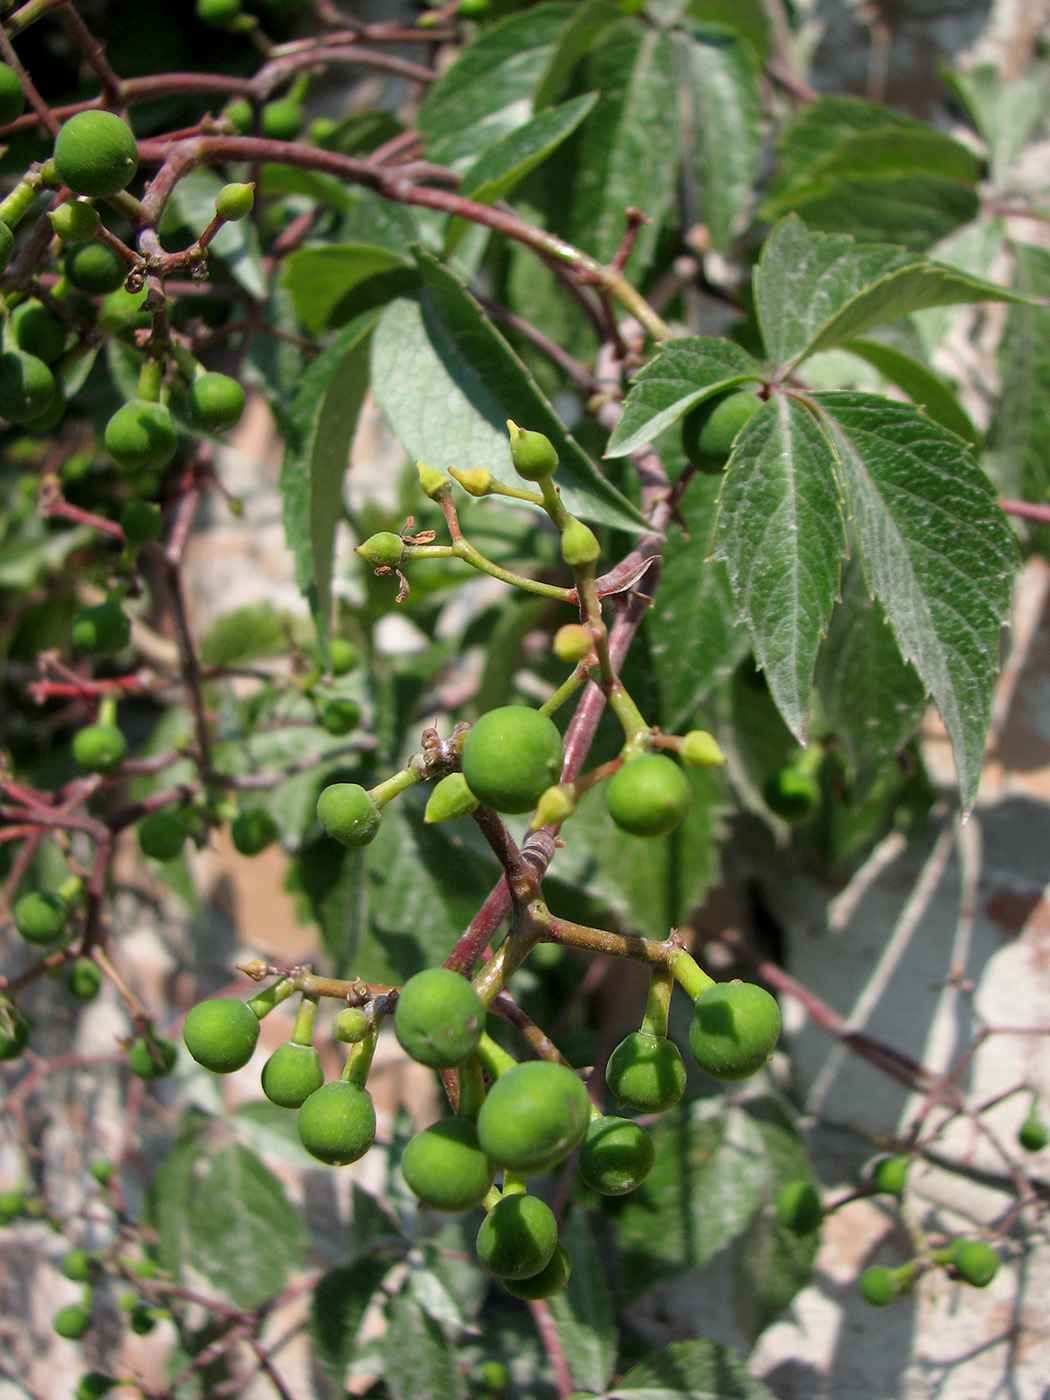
<point x="554" y="806"/>
<point x="579" y="544"/>
<point x="699" y="749"/>
<point x="235" y="202"/>
<point x="476" y="481"/>
<point x="383" y="551"/>
<point x="75" y="222"/>
<point x="433" y="482"/>
<point x="532" y="453"/>
<point x="450" y="799"/>
<point x="573" y="642"/>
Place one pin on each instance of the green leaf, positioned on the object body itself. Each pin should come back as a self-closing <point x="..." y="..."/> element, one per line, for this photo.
<point x="720" y="127"/>
<point x="489" y="89"/>
<point x="589" y="21"/>
<point x="317" y="455"/>
<point x="816" y="290"/>
<point x="780" y="532"/>
<point x="244" y="635"/>
<point x="747" y="18"/>
<point x="1020" y="434"/>
<point x="697" y="1370"/>
<point x="337" y="1308"/>
<point x="319" y="279"/>
<point x="237" y="244"/>
<point x="583" y="1313"/>
<point x="307" y="184"/>
<point x="681" y="374"/>
<point x="922" y="386"/>
<point x="448" y="382"/>
<point x="420" y="1362"/>
<point x="937" y="553"/>
<point x="1005" y="113"/>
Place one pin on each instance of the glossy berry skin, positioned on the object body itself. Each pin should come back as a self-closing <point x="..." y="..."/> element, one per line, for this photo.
<point x="14" y="1032"/>
<point x="161" y="836"/>
<point x="100" y="748"/>
<point x="1032" y="1134"/>
<point x="878" y="1284"/>
<point x="84" y="980"/>
<point x="340" y="716"/>
<point x="38" y="331"/>
<point x="337" y="1124"/>
<point x="27" y="387"/>
<point x="75" y="221"/>
<point x="889" y="1175"/>
<point x="72" y="1321"/>
<point x="798" y="1207"/>
<point x="533" y="454"/>
<point x="96" y="154"/>
<point x="510" y="756"/>
<point x="152" y="1057"/>
<point x="291" y="1074"/>
<point x="95" y="268"/>
<point x="142" y="522"/>
<point x="215" y="402"/>
<point x="551" y="1279"/>
<point x="533" y="1116"/>
<point x="40" y="917"/>
<point x="975" y="1262"/>
<point x="282" y="119"/>
<point x="649" y="796"/>
<point x="518" y="1237"/>
<point x="12" y="98"/>
<point x="734" y="1029"/>
<point x="234" y="202"/>
<point x="348" y="814"/>
<point x="351" y="1025"/>
<point x="439" y="1018"/>
<point x="616" y="1155"/>
<point x="100" y="630"/>
<point x="708" y="430"/>
<point x="141" y="434"/>
<point x="446" y="1168"/>
<point x="221" y="1033"/>
<point x="252" y="831"/>
<point x="646" y="1073"/>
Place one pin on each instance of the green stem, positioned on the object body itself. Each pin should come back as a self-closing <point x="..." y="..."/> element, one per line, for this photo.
<point x="515" y="1184"/>
<point x="688" y="972"/>
<point x="658" y="1001"/>
<point x="462" y="549"/>
<point x="303" y="1031"/>
<point x="393" y="787"/>
<point x="566" y="690"/>
<point x="265" y="1001"/>
<point x="493" y="1059"/>
<point x="471" y="1088"/>
<point x="107" y="710"/>
<point x="149" y="380"/>
<point x="492" y="1198"/>
<point x="359" y="1061"/>
<point x="18" y="203"/>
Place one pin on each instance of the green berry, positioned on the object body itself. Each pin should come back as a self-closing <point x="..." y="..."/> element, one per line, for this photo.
<point x="40" y="917"/>
<point x="93" y="1385"/>
<point x="218" y="14"/>
<point x="532" y="453"/>
<point x="7" y="245"/>
<point x="100" y="630"/>
<point x="27" y="387"/>
<point x="579" y="544"/>
<point x="889" y="1175"/>
<point x="383" y="551"/>
<point x="142" y="522"/>
<point x="12" y="1204"/>
<point x="141" y="434"/>
<point x="14" y="1031"/>
<point x="792" y="793"/>
<point x="340" y="715"/>
<point x="152" y="1057"/>
<point x="734" y="1029"/>
<point x="95" y="268"/>
<point x="215" y="402"/>
<point x="439" y="1018"/>
<point x="291" y="1074"/>
<point x="649" y="796"/>
<point x="975" y="1262"/>
<point x="102" y="1171"/>
<point x="221" y="1033"/>
<point x="235" y="202"/>
<point x="573" y="642"/>
<point x="12" y="96"/>
<point x="494" y="1376"/>
<point x="75" y="221"/>
<point x="252" y="831"/>
<point x="348" y="814"/>
<point x="72" y="1321"/>
<point x="551" y="1279"/>
<point x="142" y="1319"/>
<point x="446" y="1168"/>
<point x="161" y="836"/>
<point x="342" y="655"/>
<point x="709" y="429"/>
<point x="533" y="1116"/>
<point x="450" y="800"/>
<point x="47" y="421"/>
<point x="878" y="1284"/>
<point x="646" y="1073"/>
<point x="77" y="1265"/>
<point x="100" y="748"/>
<point x="84" y="980"/>
<point x="351" y="1025"/>
<point x="337" y="1123"/>
<point x="96" y="154"/>
<point x="321" y="130"/>
<point x="511" y="756"/>
<point x="282" y="119"/>
<point x="518" y="1237"/>
<point x="1032" y="1134"/>
<point x="616" y="1155"/>
<point x="38" y="331"/>
<point x="798" y="1207"/>
<point x="240" y="114"/>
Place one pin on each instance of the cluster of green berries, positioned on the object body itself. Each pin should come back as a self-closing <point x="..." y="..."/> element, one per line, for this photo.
<point x="974" y="1262"/>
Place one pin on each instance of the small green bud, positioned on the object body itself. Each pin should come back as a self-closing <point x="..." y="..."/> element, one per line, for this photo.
<point x="532" y="453"/>
<point x="72" y="1321"/>
<point x="383" y="551"/>
<point x="343" y="656"/>
<point x="340" y="715"/>
<point x="240" y="114"/>
<point x="235" y="202"/>
<point x="573" y="642"/>
<point x="878" y="1285"/>
<point x="554" y="806"/>
<point x="75" y="222"/>
<point x="84" y="980"/>
<point x="889" y="1175"/>
<point x="142" y="522"/>
<point x="433" y="482"/>
<point x="975" y="1262"/>
<point x="351" y="1025"/>
<point x="77" y="1266"/>
<point x="450" y="799"/>
<point x="579" y="544"/>
<point x="699" y="749"/>
<point x="476" y="481"/>
<point x="1032" y="1134"/>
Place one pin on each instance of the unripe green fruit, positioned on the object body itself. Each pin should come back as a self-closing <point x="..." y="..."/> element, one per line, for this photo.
<point x="14" y="1032"/>
<point x="579" y="544"/>
<point x="235" y="202"/>
<point x="215" y="402"/>
<point x="511" y="756"/>
<point x="321" y="130"/>
<point x="709" y="429"/>
<point x="72" y="1321"/>
<point x="100" y="630"/>
<point x="792" y="793"/>
<point x="221" y="1033"/>
<point x="84" y="980"/>
<point x="649" y="796"/>
<point x="1032" y="1134"/>
<point x="12" y="97"/>
<point x="96" y="154"/>
<point x="798" y="1207"/>
<point x="161" y="836"/>
<point x="291" y="1074"/>
<point x="975" y="1262"/>
<point x="446" y="1168"/>
<point x="383" y="551"/>
<point x="252" y="831"/>
<point x="12" y="1203"/>
<point x="142" y="522"/>
<point x="439" y="1018"/>
<point x="240" y="114"/>
<point x="38" y="331"/>
<point x="551" y="1279"/>
<point x="878" y="1284"/>
<point x="342" y="655"/>
<point x="100" y="748"/>
<point x="573" y="642"/>
<point x="646" y="1073"/>
<point x="734" y="1029"/>
<point x="532" y="453"/>
<point x="282" y="119"/>
<point x="141" y="434"/>
<point x="75" y="221"/>
<point x="494" y="1375"/>
<point x="93" y="1385"/>
<point x="7" y="245"/>
<point x="27" y="387"/>
<point x="95" y="268"/>
<point x="348" y="814"/>
<point x="142" y="1319"/>
<point x="616" y="1155"/>
<point x="218" y="14"/>
<point x="152" y="1057"/>
<point x="450" y="800"/>
<point x="518" y="1237"/>
<point x="77" y="1265"/>
<point x="40" y="917"/>
<point x="340" y="715"/>
<point x="699" y="749"/>
<point x="337" y="1124"/>
<point x="351" y="1025"/>
<point x="889" y="1175"/>
<point x="533" y="1116"/>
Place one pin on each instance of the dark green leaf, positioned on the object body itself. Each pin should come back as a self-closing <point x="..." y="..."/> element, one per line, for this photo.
<point x="589" y="20"/>
<point x="337" y="1307"/>
<point x="696" y="1370"/>
<point x="1020" y="433"/>
<point x="320" y="278"/>
<point x="747" y="18"/>
<point x="308" y="184"/>
<point x="420" y="1362"/>
<point x="583" y="1313"/>
<point x="922" y="386"/>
